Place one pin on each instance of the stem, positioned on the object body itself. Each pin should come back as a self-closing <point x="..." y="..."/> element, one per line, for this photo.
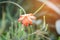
<point x="3" y="21"/>
<point x="44" y="23"/>
<point x="8" y="14"/>
<point x="32" y="30"/>
<point x="29" y="31"/>
<point x="14" y="4"/>
<point x="39" y="9"/>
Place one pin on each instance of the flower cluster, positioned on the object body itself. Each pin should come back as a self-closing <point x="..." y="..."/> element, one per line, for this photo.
<point x="26" y="19"/>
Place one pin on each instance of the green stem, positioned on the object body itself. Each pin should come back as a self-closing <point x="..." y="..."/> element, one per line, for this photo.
<point x="39" y="9"/>
<point x="28" y="32"/>
<point x="8" y="14"/>
<point x="44" y="21"/>
<point x="14" y="4"/>
<point x="3" y="21"/>
<point x="32" y="30"/>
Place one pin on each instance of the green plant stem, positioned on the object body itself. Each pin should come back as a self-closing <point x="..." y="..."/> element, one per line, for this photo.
<point x="44" y="21"/>
<point x="8" y="14"/>
<point x="29" y="31"/>
<point x="39" y="9"/>
<point x="3" y="21"/>
<point x="11" y="30"/>
<point x="14" y="4"/>
<point x="32" y="30"/>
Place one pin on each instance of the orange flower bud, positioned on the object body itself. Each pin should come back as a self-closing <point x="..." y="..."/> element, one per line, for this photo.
<point x="26" y="19"/>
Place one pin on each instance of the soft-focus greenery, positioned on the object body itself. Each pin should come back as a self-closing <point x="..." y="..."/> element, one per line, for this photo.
<point x="10" y="29"/>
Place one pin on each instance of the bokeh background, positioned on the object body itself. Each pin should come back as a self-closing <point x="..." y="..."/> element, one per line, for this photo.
<point x="10" y="13"/>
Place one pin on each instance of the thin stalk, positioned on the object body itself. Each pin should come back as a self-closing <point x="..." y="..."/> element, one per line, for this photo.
<point x="19" y="30"/>
<point x="3" y="21"/>
<point x="14" y="4"/>
<point x="15" y="25"/>
<point x="11" y="30"/>
<point x="32" y="30"/>
<point x="39" y="9"/>
<point x="8" y="14"/>
<point x="29" y="31"/>
<point x="46" y="27"/>
<point x="44" y="23"/>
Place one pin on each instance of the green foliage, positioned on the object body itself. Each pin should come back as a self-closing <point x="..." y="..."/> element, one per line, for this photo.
<point x="59" y="38"/>
<point x="12" y="30"/>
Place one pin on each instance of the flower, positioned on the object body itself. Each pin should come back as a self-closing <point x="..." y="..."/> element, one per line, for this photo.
<point x="26" y="19"/>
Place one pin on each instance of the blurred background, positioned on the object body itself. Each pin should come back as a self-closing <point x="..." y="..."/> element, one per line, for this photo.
<point x="10" y="13"/>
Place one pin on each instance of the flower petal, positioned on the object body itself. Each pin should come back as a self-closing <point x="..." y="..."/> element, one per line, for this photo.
<point x="25" y="22"/>
<point x="32" y="17"/>
<point x="21" y="18"/>
<point x="30" y="21"/>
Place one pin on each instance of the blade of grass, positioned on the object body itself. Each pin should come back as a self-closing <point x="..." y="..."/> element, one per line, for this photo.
<point x="32" y="30"/>
<point x="3" y="21"/>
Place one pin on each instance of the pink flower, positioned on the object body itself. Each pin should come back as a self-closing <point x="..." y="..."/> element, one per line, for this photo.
<point x="26" y="19"/>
